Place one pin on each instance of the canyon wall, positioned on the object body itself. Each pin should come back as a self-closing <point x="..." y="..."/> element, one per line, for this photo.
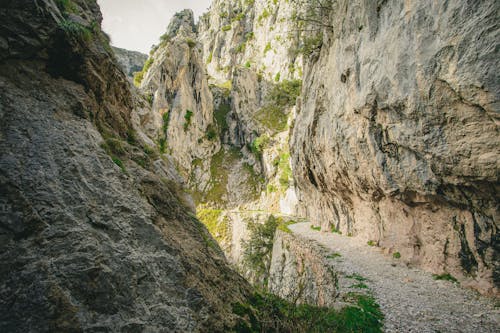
<point x="397" y="137"/>
<point x="96" y="232"/>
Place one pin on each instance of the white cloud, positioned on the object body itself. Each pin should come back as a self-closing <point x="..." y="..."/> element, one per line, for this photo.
<point x="137" y="25"/>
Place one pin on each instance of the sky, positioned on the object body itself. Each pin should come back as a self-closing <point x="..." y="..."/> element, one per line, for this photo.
<point x="138" y="24"/>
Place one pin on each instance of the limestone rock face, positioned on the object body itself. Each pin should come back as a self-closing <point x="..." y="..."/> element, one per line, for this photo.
<point x="130" y="61"/>
<point x="177" y="84"/>
<point x="397" y="137"/>
<point x="95" y="232"/>
<point x="300" y="272"/>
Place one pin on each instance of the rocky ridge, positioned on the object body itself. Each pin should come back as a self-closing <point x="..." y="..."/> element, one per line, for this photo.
<point x="130" y="61"/>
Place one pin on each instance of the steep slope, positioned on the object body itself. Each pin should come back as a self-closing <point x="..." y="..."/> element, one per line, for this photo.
<point x="397" y="139"/>
<point x="95" y="234"/>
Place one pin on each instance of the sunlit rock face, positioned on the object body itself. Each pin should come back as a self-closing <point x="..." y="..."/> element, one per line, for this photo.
<point x="397" y="138"/>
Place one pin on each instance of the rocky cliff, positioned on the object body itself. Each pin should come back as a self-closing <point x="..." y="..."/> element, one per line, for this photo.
<point x="397" y="137"/>
<point x="130" y="61"/>
<point x="96" y="234"/>
<point x="388" y="112"/>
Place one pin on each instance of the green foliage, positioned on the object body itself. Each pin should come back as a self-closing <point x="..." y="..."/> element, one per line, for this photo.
<point x="265" y="14"/>
<point x="150" y="99"/>
<point x="248" y="64"/>
<point x="269" y="313"/>
<point x="283" y="226"/>
<point x="166" y="118"/>
<point x="282" y="96"/>
<point x="315" y="228"/>
<point x="190" y="42"/>
<point x="271" y="188"/>
<point x="240" y="48"/>
<point x="356" y="276"/>
<point x="310" y="44"/>
<point x="238" y="17"/>
<point x="257" y="250"/>
<point x="249" y="2"/>
<point x="210" y="56"/>
<point x="285" y="170"/>
<point x="211" y="132"/>
<point x="371" y="243"/>
<point x="76" y="30"/>
<point x="445" y="277"/>
<point x="258" y="144"/>
<point x="119" y="162"/>
<point x="249" y="35"/>
<point x="334" y="255"/>
<point x="277" y="77"/>
<point x="220" y="167"/>
<point x="359" y="285"/>
<point x="396" y="255"/>
<point x="218" y="228"/>
<point x="267" y="48"/>
<point x="226" y="27"/>
<point x="187" y="118"/>
<point x="162" y="143"/>
<point x="138" y="77"/>
<point x="220" y="115"/>
<point x="66" y="6"/>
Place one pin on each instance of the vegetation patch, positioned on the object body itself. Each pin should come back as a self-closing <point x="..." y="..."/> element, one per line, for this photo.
<point x="139" y="76"/>
<point x="396" y="255"/>
<point x="218" y="227"/>
<point x="226" y="27"/>
<point x="315" y="228"/>
<point x="334" y="255"/>
<point x="269" y="313"/>
<point x="258" y="144"/>
<point x="187" y="118"/>
<point x="356" y="276"/>
<point x="282" y="96"/>
<point x="371" y="243"/>
<point x="220" y="116"/>
<point x="285" y="170"/>
<point x="445" y="277"/>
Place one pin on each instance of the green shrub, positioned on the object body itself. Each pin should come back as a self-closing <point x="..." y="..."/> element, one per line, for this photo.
<point x="258" y="144"/>
<point x="277" y="77"/>
<point x="445" y="277"/>
<point x="267" y="48"/>
<point x="76" y="30"/>
<point x="265" y="14"/>
<point x="248" y="64"/>
<point x="210" y="56"/>
<point x="66" y="6"/>
<point x="316" y="228"/>
<point x="310" y="44"/>
<point x="240" y="48"/>
<point x="187" y="118"/>
<point x="138" y="77"/>
<point x="371" y="243"/>
<point x="257" y="250"/>
<point x="396" y="255"/>
<point x="285" y="170"/>
<point x="238" y="17"/>
<point x="282" y="96"/>
<point x="211" y="132"/>
<point x="218" y="228"/>
<point x="249" y="35"/>
<point x="226" y="27"/>
<point x="119" y="162"/>
<point x="269" y="313"/>
<point x="166" y="118"/>
<point x="162" y="143"/>
<point x="191" y="43"/>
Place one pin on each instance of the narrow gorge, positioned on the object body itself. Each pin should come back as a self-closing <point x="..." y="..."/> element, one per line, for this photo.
<point x="271" y="166"/>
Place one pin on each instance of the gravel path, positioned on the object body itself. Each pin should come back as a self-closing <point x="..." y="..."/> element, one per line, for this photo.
<point x="411" y="300"/>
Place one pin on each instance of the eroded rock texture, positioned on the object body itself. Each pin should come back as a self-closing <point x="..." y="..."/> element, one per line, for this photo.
<point x="397" y="139"/>
<point x="130" y="61"/>
<point x="95" y="233"/>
